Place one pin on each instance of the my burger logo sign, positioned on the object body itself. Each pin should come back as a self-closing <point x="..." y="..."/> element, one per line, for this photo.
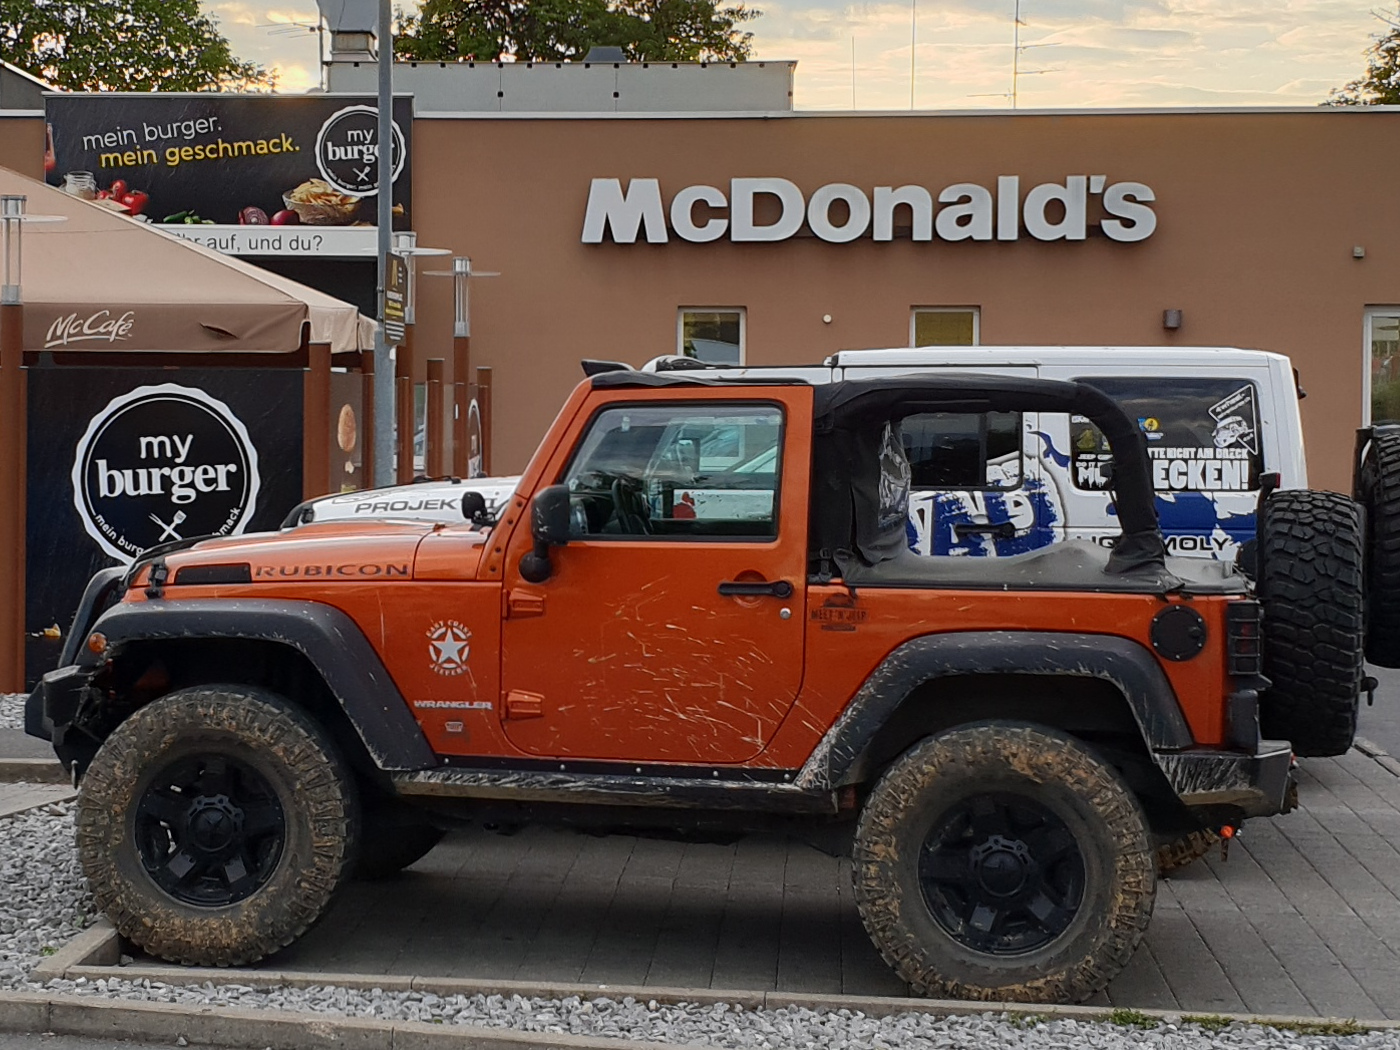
<point x="163" y="463"/>
<point x="347" y="150"/>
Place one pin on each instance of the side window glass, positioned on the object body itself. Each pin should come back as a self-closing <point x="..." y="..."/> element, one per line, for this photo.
<point x="1202" y="434"/>
<point x="678" y="471"/>
<point x="963" y="450"/>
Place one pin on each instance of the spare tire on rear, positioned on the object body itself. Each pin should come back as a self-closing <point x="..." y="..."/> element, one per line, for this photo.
<point x="1378" y="489"/>
<point x="1310" y="584"/>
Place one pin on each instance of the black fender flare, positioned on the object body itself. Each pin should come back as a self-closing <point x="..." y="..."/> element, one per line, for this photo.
<point x="327" y="637"/>
<point x="1121" y="661"/>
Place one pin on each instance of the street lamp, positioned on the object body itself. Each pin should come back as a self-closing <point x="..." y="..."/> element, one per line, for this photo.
<point x="464" y="463"/>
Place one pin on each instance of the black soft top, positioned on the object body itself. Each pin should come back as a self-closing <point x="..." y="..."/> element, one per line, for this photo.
<point x="852" y="457"/>
<point x="855" y="485"/>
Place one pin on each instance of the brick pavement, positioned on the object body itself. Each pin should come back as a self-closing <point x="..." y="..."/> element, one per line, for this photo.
<point x="1304" y="917"/>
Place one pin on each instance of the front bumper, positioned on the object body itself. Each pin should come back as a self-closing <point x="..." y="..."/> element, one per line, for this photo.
<point x="1258" y="785"/>
<point x="54" y="706"/>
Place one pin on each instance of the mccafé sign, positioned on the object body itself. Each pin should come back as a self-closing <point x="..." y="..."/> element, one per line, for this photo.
<point x="840" y="212"/>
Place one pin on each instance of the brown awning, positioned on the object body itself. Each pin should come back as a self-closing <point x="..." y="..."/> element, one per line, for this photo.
<point x="102" y="281"/>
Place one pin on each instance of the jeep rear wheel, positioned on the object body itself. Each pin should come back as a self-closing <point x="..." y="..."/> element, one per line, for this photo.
<point x="1379" y="491"/>
<point x="215" y="824"/>
<point x="1310" y="584"/>
<point x="1002" y="861"/>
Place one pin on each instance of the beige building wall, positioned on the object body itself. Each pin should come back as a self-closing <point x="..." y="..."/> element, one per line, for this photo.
<point x="22" y="143"/>
<point x="1258" y="213"/>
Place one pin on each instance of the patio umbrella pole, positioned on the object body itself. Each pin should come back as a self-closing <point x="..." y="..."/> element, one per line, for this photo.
<point x="12" y="501"/>
<point x="12" y="449"/>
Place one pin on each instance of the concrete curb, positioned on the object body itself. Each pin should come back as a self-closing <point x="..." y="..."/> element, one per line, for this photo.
<point x="276" y="1030"/>
<point x="233" y="1027"/>
<point x="99" y="948"/>
<point x="33" y="771"/>
<point x="1377" y="754"/>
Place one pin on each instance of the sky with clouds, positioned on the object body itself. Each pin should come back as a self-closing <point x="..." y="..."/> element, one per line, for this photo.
<point x="1075" y="53"/>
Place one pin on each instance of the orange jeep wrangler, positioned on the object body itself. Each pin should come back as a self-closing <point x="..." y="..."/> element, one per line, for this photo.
<point x="699" y="610"/>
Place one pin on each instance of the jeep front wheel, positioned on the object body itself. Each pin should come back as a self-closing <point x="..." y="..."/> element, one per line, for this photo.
<point x="1003" y="861"/>
<point x="215" y="824"/>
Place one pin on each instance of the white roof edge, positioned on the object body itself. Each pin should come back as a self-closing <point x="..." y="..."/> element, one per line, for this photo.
<point x="492" y="114"/>
<point x="983" y="351"/>
<point x="11" y="67"/>
<point x="6" y="114"/>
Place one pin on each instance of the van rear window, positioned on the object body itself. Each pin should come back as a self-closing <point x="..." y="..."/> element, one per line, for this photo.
<point x="1202" y="434"/>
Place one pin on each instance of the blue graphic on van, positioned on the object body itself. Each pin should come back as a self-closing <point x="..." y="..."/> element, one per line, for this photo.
<point x="1050" y="452"/>
<point x="1195" y="523"/>
<point x="1032" y="511"/>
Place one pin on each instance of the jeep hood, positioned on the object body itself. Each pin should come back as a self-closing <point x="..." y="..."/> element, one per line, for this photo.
<point x="344" y="551"/>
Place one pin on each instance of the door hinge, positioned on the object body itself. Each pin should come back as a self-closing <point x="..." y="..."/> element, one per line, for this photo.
<point x="520" y="704"/>
<point x="522" y="604"/>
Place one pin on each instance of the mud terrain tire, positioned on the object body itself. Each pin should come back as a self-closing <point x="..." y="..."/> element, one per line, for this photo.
<point x="1025" y="824"/>
<point x="1184" y="851"/>
<point x="1379" y="492"/>
<point x="215" y="825"/>
<point x="1310" y="584"/>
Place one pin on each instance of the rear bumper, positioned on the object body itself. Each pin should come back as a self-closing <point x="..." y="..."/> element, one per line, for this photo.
<point x="1258" y="785"/>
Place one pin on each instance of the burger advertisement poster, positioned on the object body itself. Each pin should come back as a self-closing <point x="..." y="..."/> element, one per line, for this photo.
<point x="136" y="457"/>
<point x="262" y="176"/>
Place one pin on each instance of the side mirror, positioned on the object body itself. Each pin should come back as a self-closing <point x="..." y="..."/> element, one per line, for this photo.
<point x="473" y="506"/>
<point x="549" y="524"/>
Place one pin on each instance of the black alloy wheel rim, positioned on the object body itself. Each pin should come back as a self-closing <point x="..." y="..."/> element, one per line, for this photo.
<point x="210" y="830"/>
<point x="1001" y="874"/>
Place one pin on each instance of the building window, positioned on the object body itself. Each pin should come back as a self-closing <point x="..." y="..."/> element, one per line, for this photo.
<point x="945" y="326"/>
<point x="714" y="335"/>
<point x="1383" y="365"/>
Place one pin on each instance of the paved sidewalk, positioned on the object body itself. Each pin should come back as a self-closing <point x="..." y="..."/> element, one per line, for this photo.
<point x="1300" y="920"/>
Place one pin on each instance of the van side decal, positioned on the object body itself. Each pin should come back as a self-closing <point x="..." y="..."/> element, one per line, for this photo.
<point x="1050" y="452"/>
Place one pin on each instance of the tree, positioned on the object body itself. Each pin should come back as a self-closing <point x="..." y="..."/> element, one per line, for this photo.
<point x="564" y="30"/>
<point x="123" y="45"/>
<point x="1380" y="84"/>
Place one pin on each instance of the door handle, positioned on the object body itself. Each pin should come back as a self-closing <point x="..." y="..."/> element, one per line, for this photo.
<point x="756" y="589"/>
<point x="1003" y="530"/>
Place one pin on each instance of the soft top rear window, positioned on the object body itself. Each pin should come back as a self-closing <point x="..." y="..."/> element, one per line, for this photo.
<point x="1202" y="435"/>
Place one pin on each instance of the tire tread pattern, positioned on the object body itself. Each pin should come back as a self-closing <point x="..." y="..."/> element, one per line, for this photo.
<point x="1310" y="585"/>
<point x="279" y="912"/>
<point x="1380" y="492"/>
<point x="1041" y="755"/>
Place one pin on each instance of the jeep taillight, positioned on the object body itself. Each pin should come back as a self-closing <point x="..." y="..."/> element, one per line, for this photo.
<point x="1244" y="642"/>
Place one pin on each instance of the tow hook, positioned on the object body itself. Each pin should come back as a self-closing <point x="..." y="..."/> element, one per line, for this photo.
<point x="1368" y="686"/>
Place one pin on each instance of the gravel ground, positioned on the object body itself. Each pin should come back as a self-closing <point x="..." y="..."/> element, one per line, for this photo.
<point x="45" y="901"/>
<point x="11" y="710"/>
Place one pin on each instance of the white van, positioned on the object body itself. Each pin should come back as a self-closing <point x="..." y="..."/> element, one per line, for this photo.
<point x="994" y="484"/>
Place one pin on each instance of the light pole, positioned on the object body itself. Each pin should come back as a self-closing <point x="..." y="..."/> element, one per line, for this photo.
<point x="383" y="372"/>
